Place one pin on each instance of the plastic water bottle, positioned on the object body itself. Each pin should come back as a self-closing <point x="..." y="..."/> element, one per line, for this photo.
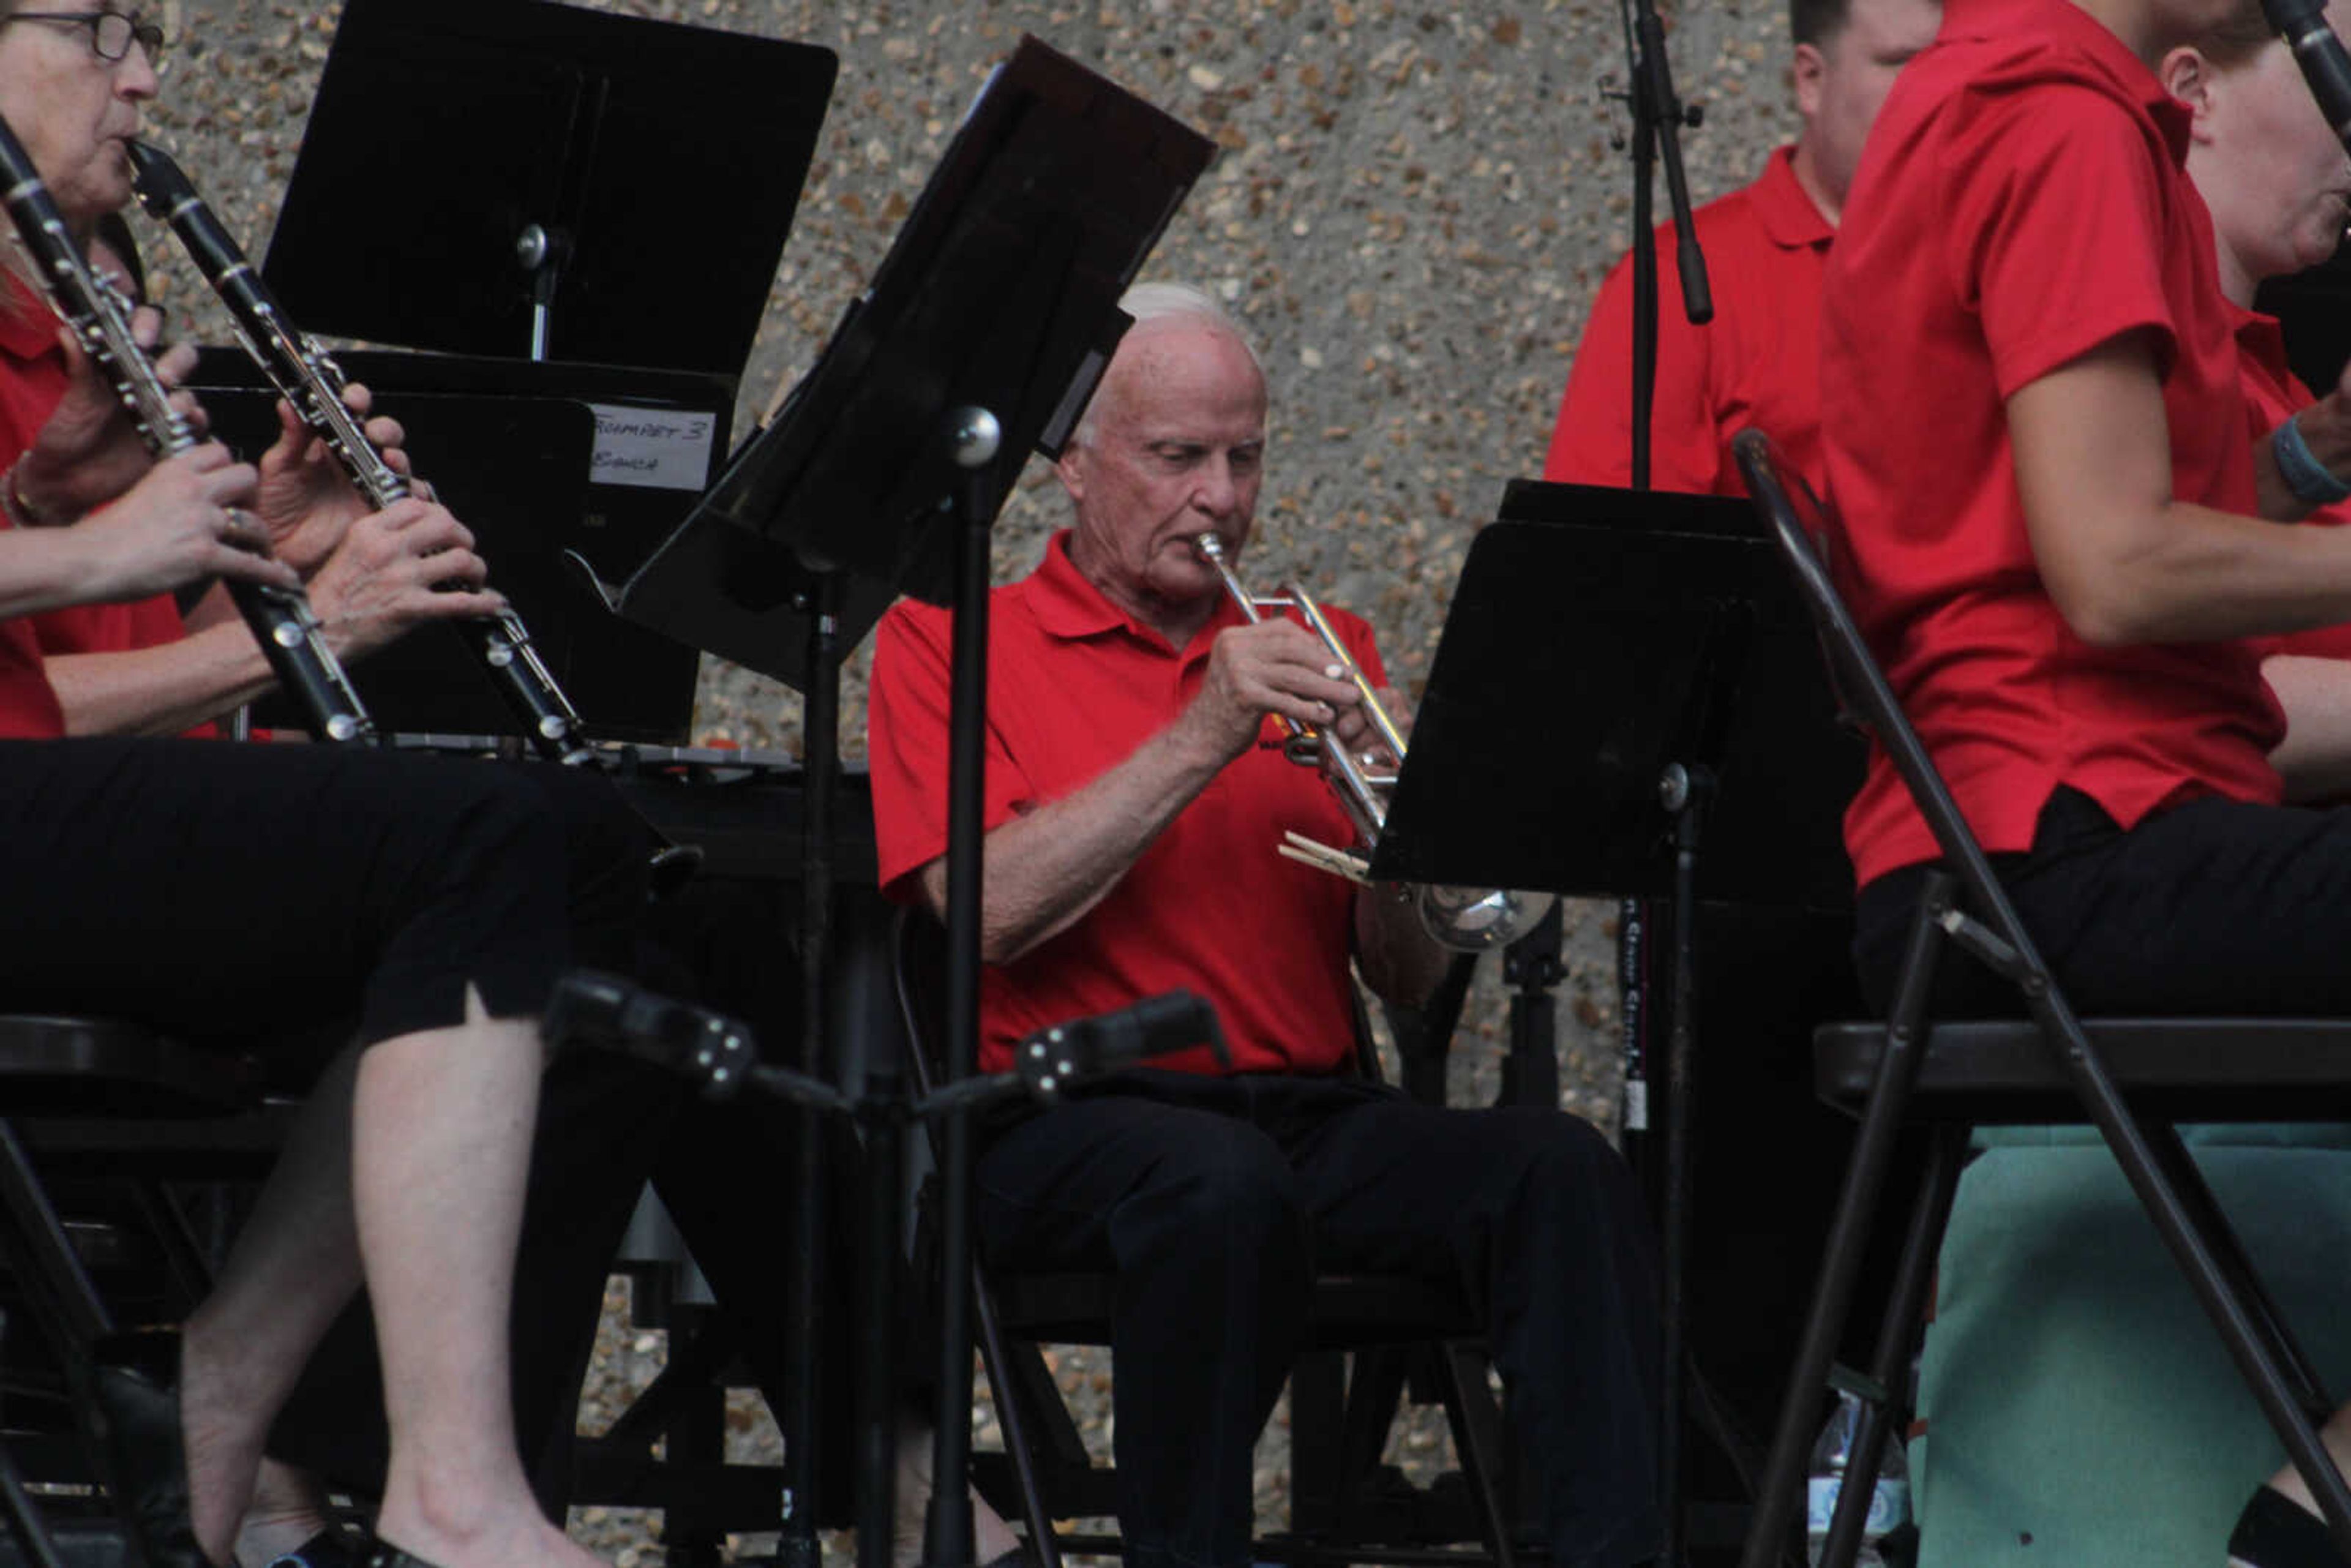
<point x="1889" y="1501"/>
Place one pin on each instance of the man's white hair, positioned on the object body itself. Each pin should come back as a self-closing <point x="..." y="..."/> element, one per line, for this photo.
<point x="1149" y="302"/>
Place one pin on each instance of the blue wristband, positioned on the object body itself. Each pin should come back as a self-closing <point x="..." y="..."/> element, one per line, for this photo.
<point x="2305" y="475"/>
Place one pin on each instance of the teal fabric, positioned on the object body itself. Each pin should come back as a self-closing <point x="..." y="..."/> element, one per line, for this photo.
<point x="2080" y="1409"/>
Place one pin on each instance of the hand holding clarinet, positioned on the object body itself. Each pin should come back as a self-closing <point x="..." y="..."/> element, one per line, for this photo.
<point x="207" y="495"/>
<point x="424" y="565"/>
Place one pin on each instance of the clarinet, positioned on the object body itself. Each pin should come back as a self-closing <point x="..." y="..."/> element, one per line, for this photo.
<point x="281" y="619"/>
<point x="2320" y="53"/>
<point x="310" y="379"/>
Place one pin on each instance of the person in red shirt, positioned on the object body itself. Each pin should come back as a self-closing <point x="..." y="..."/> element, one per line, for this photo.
<point x="1757" y="362"/>
<point x="2276" y="180"/>
<point x="2057" y="536"/>
<point x="175" y="884"/>
<point x="141" y="668"/>
<point x="1136" y="793"/>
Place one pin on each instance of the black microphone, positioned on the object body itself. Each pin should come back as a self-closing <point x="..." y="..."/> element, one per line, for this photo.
<point x="1082" y="1048"/>
<point x="607" y="1012"/>
<point x="2320" y="53"/>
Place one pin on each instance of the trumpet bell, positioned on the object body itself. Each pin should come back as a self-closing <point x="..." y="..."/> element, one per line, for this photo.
<point x="1474" y="919"/>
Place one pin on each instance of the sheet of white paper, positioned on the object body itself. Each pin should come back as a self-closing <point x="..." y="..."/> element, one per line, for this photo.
<point x="654" y="448"/>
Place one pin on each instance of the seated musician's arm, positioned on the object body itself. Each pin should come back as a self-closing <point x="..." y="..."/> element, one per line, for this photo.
<point x="171" y="528"/>
<point x="2326" y="430"/>
<point x="1047" y="867"/>
<point x="2315" y="759"/>
<point x="390" y="572"/>
<point x="2125" y="560"/>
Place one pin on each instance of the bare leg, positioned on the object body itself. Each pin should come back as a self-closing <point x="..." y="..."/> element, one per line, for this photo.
<point x="294" y="1267"/>
<point x="411" y="1156"/>
<point x="441" y="1146"/>
<point x="991" y="1538"/>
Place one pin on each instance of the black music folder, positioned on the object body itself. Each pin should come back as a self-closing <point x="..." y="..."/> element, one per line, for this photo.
<point x="1000" y="292"/>
<point x="1596" y="636"/>
<point x="664" y="161"/>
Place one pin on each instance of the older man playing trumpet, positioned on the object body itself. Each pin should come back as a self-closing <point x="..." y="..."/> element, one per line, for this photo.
<point x="1137" y="789"/>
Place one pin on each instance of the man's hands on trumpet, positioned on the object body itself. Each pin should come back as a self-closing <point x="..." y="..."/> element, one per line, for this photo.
<point x="1279" y="667"/>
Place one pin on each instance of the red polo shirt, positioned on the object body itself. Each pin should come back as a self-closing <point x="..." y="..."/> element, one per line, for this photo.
<point x="32" y="378"/>
<point x="1074" y="687"/>
<point x="2020" y="201"/>
<point x="1757" y="362"/>
<point x="2274" y="393"/>
<point x="34" y="367"/>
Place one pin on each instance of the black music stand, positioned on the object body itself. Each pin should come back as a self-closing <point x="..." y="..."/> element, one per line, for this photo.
<point x="980" y="338"/>
<point x="1621" y="672"/>
<point x="530" y="177"/>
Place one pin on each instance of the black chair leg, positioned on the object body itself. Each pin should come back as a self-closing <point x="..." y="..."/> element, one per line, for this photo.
<point x="2229" y="1252"/>
<point x="1456" y="1362"/>
<point x="1905" y="1312"/>
<point x="1014" y="1422"/>
<point x="33" y="1538"/>
<point x="1857" y="1212"/>
<point x="64" y="1298"/>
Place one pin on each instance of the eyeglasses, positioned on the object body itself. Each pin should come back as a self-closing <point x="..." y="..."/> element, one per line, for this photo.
<point x="111" y="33"/>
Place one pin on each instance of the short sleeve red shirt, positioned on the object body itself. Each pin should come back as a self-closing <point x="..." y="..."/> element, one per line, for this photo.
<point x="32" y="379"/>
<point x="32" y="382"/>
<point x="2273" y="394"/>
<point x="1074" y="687"/>
<point x="1757" y="362"/>
<point x="2022" y="201"/>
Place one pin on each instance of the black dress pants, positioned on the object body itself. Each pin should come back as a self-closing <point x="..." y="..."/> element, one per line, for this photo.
<point x="2213" y="907"/>
<point x="1216" y="1200"/>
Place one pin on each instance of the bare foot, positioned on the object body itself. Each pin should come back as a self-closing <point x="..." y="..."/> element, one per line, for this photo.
<point x="518" y="1538"/>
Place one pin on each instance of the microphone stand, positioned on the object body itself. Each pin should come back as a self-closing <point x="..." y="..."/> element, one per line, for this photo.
<point x="721" y="1057"/>
<point x="1659" y="117"/>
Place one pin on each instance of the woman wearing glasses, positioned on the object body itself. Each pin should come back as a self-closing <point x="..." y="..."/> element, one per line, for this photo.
<point x="176" y="882"/>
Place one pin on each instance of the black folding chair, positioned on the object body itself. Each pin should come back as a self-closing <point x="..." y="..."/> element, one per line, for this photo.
<point x="1344" y="1507"/>
<point x="2133" y="1080"/>
<point x="99" y="1120"/>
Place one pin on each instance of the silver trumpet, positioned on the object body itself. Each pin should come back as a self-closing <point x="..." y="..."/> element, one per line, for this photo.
<point x="1467" y="919"/>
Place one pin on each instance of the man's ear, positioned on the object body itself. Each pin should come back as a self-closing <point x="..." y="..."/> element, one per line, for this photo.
<point x="1807" y="70"/>
<point x="1071" y="470"/>
<point x="2189" y="78"/>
